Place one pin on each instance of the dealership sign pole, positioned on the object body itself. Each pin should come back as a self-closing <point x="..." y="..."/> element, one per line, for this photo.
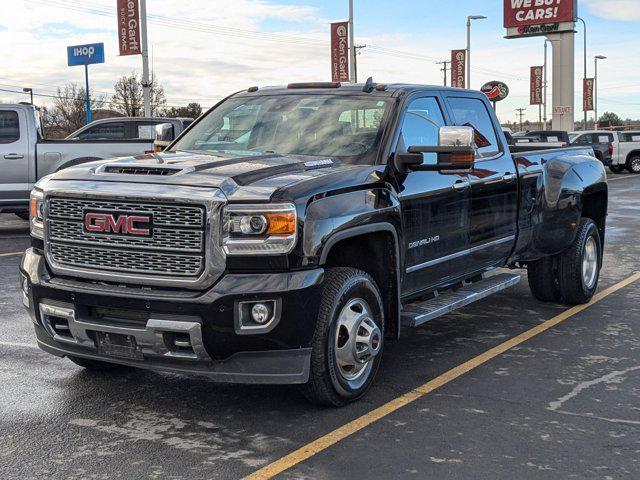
<point x="340" y="52"/>
<point x="554" y="19"/>
<point x="86" y="55"/>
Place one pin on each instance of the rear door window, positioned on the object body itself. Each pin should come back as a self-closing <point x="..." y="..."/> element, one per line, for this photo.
<point x="9" y="126"/>
<point x="105" y="131"/>
<point x="472" y="112"/>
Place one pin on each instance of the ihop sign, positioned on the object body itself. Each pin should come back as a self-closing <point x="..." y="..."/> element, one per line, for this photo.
<point x="85" y="54"/>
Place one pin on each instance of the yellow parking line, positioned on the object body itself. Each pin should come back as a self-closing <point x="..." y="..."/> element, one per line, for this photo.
<point x="11" y="254"/>
<point x="340" y="433"/>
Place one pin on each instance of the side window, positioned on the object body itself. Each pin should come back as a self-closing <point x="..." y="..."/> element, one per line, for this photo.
<point x="9" y="126"/>
<point x="421" y="123"/>
<point x="144" y="130"/>
<point x="472" y="112"/>
<point x="586" y="139"/>
<point x="105" y="131"/>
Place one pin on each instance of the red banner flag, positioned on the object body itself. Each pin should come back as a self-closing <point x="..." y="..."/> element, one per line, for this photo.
<point x="535" y="89"/>
<point x="129" y="27"/>
<point x="587" y="94"/>
<point x="458" y="66"/>
<point x="340" y="52"/>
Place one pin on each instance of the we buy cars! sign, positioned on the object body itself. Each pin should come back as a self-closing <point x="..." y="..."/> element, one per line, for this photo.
<point x="522" y="13"/>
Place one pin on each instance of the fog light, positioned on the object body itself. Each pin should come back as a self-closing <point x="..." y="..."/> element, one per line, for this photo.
<point x="260" y="313"/>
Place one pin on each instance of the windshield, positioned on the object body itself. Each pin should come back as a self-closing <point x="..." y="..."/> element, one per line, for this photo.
<point x="321" y="125"/>
<point x="573" y="136"/>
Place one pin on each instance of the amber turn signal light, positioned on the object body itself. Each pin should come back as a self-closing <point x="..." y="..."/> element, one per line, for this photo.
<point x="281" y="223"/>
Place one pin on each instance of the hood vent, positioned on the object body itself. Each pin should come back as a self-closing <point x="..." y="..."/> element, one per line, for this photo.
<point x="147" y="170"/>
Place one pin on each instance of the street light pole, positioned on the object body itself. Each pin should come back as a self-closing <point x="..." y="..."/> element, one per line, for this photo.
<point x="146" y="86"/>
<point x="595" y="87"/>
<point x="544" y="71"/>
<point x="469" y="18"/>
<point x="352" y="47"/>
<point x="584" y="76"/>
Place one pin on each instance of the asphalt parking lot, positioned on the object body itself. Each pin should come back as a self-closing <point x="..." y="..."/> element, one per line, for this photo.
<point x="564" y="403"/>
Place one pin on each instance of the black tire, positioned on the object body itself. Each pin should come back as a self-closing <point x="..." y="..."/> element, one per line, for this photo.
<point x="96" y="365"/>
<point x="23" y="215"/>
<point x="573" y="288"/>
<point x="327" y="385"/>
<point x="633" y="164"/>
<point x="543" y="279"/>
<point x="616" y="168"/>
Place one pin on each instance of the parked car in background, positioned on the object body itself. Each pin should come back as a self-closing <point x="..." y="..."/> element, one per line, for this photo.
<point x="546" y="136"/>
<point x="626" y="152"/>
<point x="600" y="141"/>
<point x="26" y="156"/>
<point x="128" y="128"/>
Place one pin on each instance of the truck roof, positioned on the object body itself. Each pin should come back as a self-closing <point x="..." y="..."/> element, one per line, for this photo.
<point x="390" y="90"/>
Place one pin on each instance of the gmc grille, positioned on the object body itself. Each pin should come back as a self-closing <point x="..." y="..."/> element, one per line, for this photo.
<point x="176" y="247"/>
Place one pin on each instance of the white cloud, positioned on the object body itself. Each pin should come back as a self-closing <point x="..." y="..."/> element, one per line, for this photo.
<point x="625" y="10"/>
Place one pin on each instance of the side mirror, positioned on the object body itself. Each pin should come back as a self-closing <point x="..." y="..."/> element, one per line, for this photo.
<point x="162" y="136"/>
<point x="163" y="132"/>
<point x="455" y="151"/>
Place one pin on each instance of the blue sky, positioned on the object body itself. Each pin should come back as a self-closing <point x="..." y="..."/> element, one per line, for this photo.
<point x="203" y="63"/>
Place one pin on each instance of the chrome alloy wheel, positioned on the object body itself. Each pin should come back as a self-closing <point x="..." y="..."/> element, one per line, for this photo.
<point x="357" y="341"/>
<point x="590" y="263"/>
<point x="634" y="165"/>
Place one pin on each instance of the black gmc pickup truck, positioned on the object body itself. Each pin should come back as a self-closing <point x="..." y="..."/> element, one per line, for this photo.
<point x="290" y="232"/>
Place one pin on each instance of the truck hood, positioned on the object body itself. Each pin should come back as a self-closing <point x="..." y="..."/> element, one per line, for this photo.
<point x="241" y="176"/>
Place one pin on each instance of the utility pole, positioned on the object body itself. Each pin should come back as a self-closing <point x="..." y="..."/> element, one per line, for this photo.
<point x="357" y="48"/>
<point x="146" y="86"/>
<point x="29" y="91"/>
<point x="444" y="69"/>
<point x="520" y="114"/>
<point x="352" y="48"/>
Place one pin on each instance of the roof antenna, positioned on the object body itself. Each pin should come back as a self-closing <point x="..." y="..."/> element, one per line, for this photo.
<point x="369" y="85"/>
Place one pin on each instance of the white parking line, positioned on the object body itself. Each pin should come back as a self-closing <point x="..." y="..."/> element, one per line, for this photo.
<point x="11" y="254"/>
<point x="615" y="179"/>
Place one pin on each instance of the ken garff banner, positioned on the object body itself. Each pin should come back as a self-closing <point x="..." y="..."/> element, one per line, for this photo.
<point x="587" y="95"/>
<point x="458" y="68"/>
<point x="535" y="88"/>
<point x="340" y="52"/>
<point x="129" y="27"/>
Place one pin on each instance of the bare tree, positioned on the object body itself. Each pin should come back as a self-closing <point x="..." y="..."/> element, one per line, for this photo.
<point x="128" y="98"/>
<point x="68" y="111"/>
<point x="193" y="110"/>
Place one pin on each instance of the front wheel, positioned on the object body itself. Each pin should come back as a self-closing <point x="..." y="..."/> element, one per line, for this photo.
<point x="348" y="338"/>
<point x="579" y="266"/>
<point x="633" y="165"/>
<point x="616" y="168"/>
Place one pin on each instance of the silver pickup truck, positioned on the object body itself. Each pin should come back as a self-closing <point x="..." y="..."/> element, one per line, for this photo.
<point x="26" y="156"/>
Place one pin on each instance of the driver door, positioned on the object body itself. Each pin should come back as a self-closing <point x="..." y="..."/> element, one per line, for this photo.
<point x="434" y="206"/>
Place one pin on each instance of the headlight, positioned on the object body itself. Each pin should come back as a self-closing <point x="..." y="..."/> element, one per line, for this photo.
<point x="36" y="213"/>
<point x="268" y="229"/>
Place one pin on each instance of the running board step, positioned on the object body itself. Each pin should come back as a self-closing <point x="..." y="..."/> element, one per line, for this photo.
<point x="417" y="313"/>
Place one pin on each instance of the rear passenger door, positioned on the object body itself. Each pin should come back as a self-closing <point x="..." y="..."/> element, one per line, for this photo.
<point x="494" y="186"/>
<point x="14" y="157"/>
<point x="434" y="205"/>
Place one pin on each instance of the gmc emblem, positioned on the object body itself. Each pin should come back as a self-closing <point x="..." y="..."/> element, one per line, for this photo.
<point x="123" y="224"/>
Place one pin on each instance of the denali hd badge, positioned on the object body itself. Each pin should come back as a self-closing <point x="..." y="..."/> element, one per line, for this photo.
<point x="138" y="224"/>
<point x="424" y="241"/>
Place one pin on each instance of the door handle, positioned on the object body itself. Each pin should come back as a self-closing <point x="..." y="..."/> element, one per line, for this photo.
<point x="509" y="177"/>
<point x="13" y="156"/>
<point x="461" y="185"/>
